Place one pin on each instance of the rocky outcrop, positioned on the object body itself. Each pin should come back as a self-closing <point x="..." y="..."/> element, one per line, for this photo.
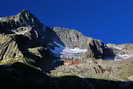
<point x="68" y="38"/>
<point x="18" y="36"/>
<point x="25" y="31"/>
<point x="9" y="48"/>
<point x="8" y="25"/>
<point x="23" y="24"/>
<point x="29" y="50"/>
<point x="25" y="36"/>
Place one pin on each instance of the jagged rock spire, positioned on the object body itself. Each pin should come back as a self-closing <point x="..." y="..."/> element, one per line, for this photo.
<point x="24" y="19"/>
<point x="27" y="18"/>
<point x="25" y="28"/>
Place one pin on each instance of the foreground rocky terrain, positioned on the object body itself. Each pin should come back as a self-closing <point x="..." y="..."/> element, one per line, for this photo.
<point x="35" y="56"/>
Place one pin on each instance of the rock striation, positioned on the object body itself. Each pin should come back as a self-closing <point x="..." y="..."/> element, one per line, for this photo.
<point x="29" y="51"/>
<point x="24" y="31"/>
<point x="18" y="34"/>
<point x="58" y="38"/>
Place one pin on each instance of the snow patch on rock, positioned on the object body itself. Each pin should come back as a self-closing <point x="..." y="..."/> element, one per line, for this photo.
<point x="66" y="52"/>
<point x="75" y="50"/>
<point x="120" y="57"/>
<point x="114" y="46"/>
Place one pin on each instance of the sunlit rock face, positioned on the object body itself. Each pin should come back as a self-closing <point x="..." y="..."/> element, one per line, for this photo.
<point x="23" y="35"/>
<point x="11" y="24"/>
<point x="71" y="44"/>
<point x="56" y="51"/>
<point x="120" y="52"/>
<point x="18" y="34"/>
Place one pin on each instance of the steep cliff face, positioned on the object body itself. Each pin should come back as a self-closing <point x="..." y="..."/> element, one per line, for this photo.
<point x="25" y="36"/>
<point x="63" y="42"/>
<point x="9" y="48"/>
<point x="8" y="25"/>
<point x="18" y="34"/>
<point x="57" y="51"/>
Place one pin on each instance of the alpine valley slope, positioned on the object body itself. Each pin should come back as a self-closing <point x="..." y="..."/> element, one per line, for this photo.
<point x="34" y="53"/>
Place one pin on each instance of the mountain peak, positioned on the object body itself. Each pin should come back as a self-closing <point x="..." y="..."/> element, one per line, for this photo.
<point x="25" y="12"/>
<point x="10" y="24"/>
<point x="27" y="18"/>
<point x="58" y="51"/>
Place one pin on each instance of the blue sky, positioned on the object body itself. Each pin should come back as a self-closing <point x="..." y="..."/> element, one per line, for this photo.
<point x="107" y="20"/>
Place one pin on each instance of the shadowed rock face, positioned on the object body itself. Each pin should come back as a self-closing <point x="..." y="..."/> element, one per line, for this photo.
<point x="21" y="76"/>
<point x="18" y="75"/>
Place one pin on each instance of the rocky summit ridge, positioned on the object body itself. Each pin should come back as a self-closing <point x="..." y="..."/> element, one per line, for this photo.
<point x="32" y="52"/>
<point x="24" y="31"/>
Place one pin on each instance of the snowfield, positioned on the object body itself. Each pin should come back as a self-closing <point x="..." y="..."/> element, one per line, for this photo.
<point x="75" y="50"/>
<point x="119" y="48"/>
<point x="120" y="57"/>
<point x="65" y="52"/>
<point x="75" y="53"/>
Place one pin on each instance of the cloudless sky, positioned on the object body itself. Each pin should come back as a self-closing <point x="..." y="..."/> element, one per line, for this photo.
<point x="107" y="20"/>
